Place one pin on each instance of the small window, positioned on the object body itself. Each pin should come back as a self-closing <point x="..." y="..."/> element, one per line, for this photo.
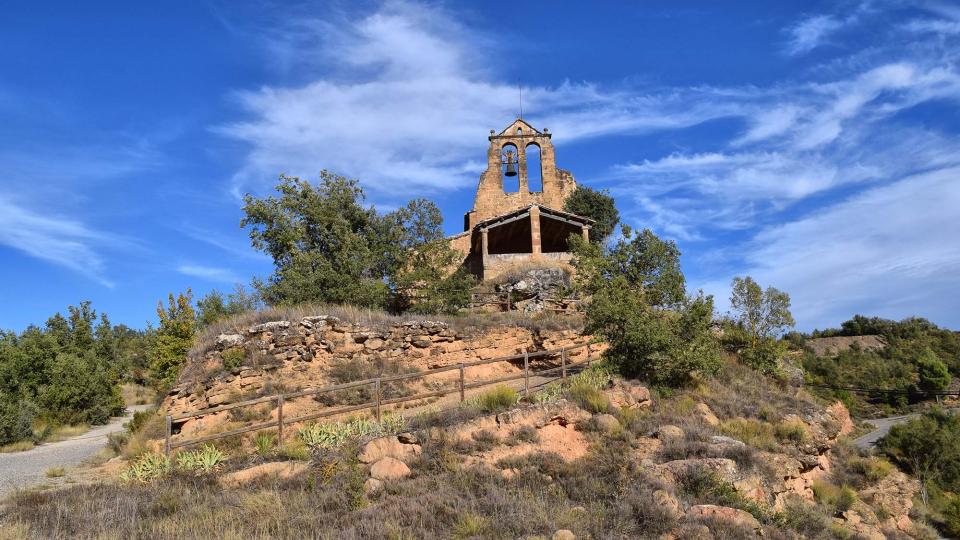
<point x="519" y="131"/>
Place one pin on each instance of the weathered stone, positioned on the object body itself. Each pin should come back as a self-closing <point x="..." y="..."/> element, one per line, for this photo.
<point x="378" y="449"/>
<point x="731" y="515"/>
<point x="389" y="468"/>
<point x="563" y="534"/>
<point x="280" y="469"/>
<point x="421" y="342"/>
<point x="373" y="487"/>
<point x="225" y="341"/>
<point x="668" y="503"/>
<point x="408" y="438"/>
<point x="669" y="432"/>
<point x="703" y="412"/>
<point x="606" y="423"/>
<point x="727" y="441"/>
<point x="272" y="326"/>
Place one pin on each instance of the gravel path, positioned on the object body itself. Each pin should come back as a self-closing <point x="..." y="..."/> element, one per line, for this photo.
<point x="24" y="469"/>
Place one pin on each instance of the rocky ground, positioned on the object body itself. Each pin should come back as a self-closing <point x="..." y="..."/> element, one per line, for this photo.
<point x="734" y="457"/>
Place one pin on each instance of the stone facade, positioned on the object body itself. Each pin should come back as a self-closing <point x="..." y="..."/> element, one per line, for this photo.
<point x="508" y="228"/>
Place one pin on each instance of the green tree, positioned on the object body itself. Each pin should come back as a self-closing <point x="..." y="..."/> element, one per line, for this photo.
<point x="321" y="239"/>
<point x="763" y="313"/>
<point x="638" y="304"/>
<point x="598" y="206"/>
<point x="932" y="373"/>
<point x="173" y="338"/>
<point x="927" y="448"/>
<point x="215" y="306"/>
<point x="81" y="389"/>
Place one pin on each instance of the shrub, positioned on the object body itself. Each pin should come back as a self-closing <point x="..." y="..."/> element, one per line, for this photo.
<point x="708" y="488"/>
<point x="951" y="517"/>
<point x="792" y="431"/>
<point x="16" y="421"/>
<point x="839" y="499"/>
<point x="233" y="358"/>
<point x="752" y="432"/>
<point x="148" y="467"/>
<point x="264" y="443"/>
<point x="499" y="398"/>
<point x="55" y="472"/>
<point x="589" y="398"/>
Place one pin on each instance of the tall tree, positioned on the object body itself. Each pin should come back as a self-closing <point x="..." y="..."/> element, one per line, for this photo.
<point x="638" y="303"/>
<point x="173" y="338"/>
<point x="598" y="206"/>
<point x="763" y="313"/>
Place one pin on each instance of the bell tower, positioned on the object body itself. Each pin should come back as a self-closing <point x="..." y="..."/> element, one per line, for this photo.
<point x="507" y="160"/>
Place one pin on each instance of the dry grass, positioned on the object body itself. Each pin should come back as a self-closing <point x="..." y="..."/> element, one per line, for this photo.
<point x="19" y="446"/>
<point x="55" y="472"/>
<point x="62" y="433"/>
<point x="135" y="394"/>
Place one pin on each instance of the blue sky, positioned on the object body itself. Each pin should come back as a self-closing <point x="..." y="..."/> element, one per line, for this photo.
<point x="812" y="145"/>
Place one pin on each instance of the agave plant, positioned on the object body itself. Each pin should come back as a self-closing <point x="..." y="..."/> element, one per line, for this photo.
<point x="204" y="460"/>
<point x="147" y="467"/>
<point x="335" y="434"/>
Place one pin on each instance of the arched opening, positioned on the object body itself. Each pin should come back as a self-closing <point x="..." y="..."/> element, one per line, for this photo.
<point x="509" y="167"/>
<point x="534" y="168"/>
<point x="519" y="131"/>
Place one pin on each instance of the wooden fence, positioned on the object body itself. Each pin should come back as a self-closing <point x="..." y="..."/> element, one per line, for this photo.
<point x="378" y="402"/>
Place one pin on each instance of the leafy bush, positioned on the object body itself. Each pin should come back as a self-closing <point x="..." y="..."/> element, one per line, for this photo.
<point x="639" y="305"/>
<point x="792" y="431"/>
<point x="837" y="498"/>
<point x="233" y="358"/>
<point x="596" y="205"/>
<point x="16" y="421"/>
<point x="589" y="398"/>
<point x="499" y="398"/>
<point x="951" y="517"/>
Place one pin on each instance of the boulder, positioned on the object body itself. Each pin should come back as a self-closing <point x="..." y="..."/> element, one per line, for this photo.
<point x="606" y="423"/>
<point x="723" y="440"/>
<point x="563" y="534"/>
<point x="669" y="432"/>
<point x="378" y="449"/>
<point x="668" y="503"/>
<point x="272" y="326"/>
<point x="389" y="468"/>
<point x="703" y="412"/>
<point x="277" y="469"/>
<point x="628" y="395"/>
<point x="225" y="341"/>
<point x="373" y="487"/>
<point x="723" y="513"/>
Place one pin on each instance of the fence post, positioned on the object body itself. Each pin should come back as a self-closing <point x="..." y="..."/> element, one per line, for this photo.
<point x="508" y="301"/>
<point x="463" y="396"/>
<point x="376" y="386"/>
<point x="166" y="439"/>
<point x="563" y="363"/>
<point x="280" y="419"/>
<point x="588" y="354"/>
<point x="526" y="374"/>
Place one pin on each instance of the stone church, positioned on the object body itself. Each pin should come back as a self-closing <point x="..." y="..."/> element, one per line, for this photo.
<point x="517" y="218"/>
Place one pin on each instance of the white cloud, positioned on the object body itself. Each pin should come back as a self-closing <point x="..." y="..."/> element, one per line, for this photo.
<point x="812" y="32"/>
<point x="402" y="99"/>
<point x="59" y="240"/>
<point x="884" y="252"/>
<point x="209" y="273"/>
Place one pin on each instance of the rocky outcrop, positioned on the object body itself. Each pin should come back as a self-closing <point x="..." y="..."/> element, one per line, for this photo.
<point x="536" y="289"/>
<point x="299" y="354"/>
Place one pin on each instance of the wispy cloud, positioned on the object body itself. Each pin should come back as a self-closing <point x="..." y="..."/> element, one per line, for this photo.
<point x="404" y="95"/>
<point x="62" y="241"/>
<point x="811" y="32"/>
<point x="210" y="273"/>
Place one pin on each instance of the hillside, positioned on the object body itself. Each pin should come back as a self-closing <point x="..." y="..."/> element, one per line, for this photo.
<point x="602" y="457"/>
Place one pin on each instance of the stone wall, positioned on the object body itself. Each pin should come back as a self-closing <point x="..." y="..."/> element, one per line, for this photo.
<point x="295" y="355"/>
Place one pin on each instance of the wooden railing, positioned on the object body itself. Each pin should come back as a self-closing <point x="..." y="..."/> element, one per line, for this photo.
<point x="378" y="401"/>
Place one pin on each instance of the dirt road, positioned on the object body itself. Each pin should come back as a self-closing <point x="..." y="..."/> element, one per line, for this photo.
<point x="24" y="469"/>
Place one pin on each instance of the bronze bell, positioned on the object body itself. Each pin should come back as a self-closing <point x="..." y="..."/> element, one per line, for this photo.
<point x="511" y="164"/>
